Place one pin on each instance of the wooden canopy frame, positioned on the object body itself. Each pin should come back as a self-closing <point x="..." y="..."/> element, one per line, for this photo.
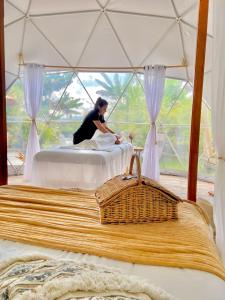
<point x="3" y="129"/>
<point x="197" y="99"/>
<point x="196" y="109"/>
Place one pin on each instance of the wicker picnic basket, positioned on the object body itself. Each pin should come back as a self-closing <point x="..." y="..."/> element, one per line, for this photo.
<point x="135" y="199"/>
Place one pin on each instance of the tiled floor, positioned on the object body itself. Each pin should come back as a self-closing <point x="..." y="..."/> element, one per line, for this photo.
<point x="176" y="184"/>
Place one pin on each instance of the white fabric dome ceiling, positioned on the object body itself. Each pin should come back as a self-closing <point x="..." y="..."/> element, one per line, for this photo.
<point x="104" y="33"/>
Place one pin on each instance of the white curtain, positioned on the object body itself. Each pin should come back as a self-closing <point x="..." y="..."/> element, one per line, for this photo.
<point x="154" y="80"/>
<point x="218" y="119"/>
<point x="33" y="87"/>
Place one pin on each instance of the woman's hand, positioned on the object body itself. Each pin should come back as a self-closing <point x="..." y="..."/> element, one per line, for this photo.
<point x="118" y="141"/>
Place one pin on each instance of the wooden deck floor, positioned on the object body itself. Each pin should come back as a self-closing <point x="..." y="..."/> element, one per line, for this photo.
<point x="179" y="186"/>
<point x="176" y="184"/>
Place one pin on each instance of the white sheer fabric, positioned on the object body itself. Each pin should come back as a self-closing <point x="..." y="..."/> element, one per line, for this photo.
<point x="218" y="117"/>
<point x="154" y="80"/>
<point x="33" y="87"/>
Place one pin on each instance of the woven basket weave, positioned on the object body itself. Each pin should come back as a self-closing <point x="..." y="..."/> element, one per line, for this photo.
<point x="135" y="200"/>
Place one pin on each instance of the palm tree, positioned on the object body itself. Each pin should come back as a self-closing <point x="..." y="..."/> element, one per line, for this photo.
<point x="113" y="85"/>
<point x="68" y="107"/>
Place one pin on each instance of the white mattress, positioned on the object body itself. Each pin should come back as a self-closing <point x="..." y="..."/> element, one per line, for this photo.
<point x="85" y="169"/>
<point x="185" y="284"/>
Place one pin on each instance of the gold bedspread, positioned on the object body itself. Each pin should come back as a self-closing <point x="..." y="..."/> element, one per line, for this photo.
<point x="68" y="220"/>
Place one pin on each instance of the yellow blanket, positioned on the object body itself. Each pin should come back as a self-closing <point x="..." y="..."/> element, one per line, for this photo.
<point x="68" y="220"/>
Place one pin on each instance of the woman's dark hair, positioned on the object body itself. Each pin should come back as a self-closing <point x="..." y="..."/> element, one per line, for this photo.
<point x="100" y="103"/>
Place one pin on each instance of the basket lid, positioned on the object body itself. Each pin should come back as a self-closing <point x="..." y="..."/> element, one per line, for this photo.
<point x="155" y="184"/>
<point x="112" y="187"/>
<point x="105" y="193"/>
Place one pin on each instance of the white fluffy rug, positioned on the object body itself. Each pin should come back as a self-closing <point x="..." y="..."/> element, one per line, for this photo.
<point x="42" y="278"/>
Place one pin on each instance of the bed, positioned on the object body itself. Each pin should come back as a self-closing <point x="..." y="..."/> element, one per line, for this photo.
<point x="178" y="256"/>
<point x="71" y="167"/>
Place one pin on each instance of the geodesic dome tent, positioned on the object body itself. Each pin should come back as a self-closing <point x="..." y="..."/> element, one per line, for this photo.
<point x="107" y="34"/>
<point x="104" y="34"/>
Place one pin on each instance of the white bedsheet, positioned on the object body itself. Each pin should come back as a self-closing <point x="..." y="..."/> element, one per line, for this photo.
<point x="74" y="168"/>
<point x="185" y="284"/>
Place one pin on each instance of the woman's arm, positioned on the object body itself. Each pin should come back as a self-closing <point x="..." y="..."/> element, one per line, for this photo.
<point x="101" y="126"/>
<point x="107" y="128"/>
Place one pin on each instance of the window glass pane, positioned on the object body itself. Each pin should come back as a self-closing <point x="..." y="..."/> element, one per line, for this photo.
<point x="17" y="127"/>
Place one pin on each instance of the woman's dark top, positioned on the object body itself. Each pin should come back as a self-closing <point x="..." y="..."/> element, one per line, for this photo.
<point x="87" y="128"/>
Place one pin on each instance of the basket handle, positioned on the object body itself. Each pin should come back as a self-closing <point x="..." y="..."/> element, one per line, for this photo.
<point x="135" y="156"/>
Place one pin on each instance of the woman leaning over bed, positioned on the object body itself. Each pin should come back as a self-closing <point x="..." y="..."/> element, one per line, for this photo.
<point x="93" y="121"/>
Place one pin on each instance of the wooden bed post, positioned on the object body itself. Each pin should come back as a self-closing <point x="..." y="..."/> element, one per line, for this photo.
<point x="3" y="127"/>
<point x="197" y="99"/>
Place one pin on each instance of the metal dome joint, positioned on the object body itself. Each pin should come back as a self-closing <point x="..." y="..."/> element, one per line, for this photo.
<point x="178" y="20"/>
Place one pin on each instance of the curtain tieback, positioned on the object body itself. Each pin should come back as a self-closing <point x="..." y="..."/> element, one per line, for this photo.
<point x="34" y="122"/>
<point x="221" y="158"/>
<point x="155" y="137"/>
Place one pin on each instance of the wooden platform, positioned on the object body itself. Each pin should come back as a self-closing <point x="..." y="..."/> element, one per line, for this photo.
<point x="178" y="185"/>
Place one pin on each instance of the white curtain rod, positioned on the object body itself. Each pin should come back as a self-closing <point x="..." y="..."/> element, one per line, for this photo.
<point x="103" y="69"/>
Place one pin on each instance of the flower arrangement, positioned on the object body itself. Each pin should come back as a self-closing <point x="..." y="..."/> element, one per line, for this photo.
<point x="131" y="137"/>
<point x="21" y="156"/>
